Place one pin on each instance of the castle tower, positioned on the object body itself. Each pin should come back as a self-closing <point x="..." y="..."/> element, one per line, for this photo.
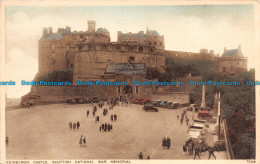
<point x="91" y="26"/>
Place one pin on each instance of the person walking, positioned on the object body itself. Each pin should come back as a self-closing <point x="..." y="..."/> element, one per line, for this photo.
<point x="168" y="142"/>
<point x="84" y="141"/>
<point x="93" y="113"/>
<point x="148" y="157"/>
<point x="187" y="122"/>
<point x="74" y="126"/>
<point x="115" y="117"/>
<point x="78" y="125"/>
<point x="141" y="155"/>
<point x="87" y="113"/>
<point x="164" y="142"/>
<point x="70" y="124"/>
<point x="100" y="128"/>
<point x="80" y="141"/>
<point x="111" y="117"/>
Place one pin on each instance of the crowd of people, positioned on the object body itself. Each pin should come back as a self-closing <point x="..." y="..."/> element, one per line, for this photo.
<point x="106" y="127"/>
<point x="74" y="126"/>
<point x="82" y="141"/>
<point x="166" y="142"/>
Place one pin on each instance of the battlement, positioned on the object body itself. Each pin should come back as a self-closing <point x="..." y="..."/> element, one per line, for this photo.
<point x="119" y="47"/>
<point x="150" y="38"/>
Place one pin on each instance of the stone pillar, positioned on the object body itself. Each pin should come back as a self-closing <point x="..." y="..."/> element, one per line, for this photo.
<point x="203" y="104"/>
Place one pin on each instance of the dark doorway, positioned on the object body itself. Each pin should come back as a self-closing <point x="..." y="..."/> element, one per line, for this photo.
<point x="128" y="89"/>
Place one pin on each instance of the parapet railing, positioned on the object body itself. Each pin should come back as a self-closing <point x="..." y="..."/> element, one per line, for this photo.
<point x="227" y="141"/>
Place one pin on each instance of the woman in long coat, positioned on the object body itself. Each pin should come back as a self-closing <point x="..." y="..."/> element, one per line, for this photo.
<point x="80" y="141"/>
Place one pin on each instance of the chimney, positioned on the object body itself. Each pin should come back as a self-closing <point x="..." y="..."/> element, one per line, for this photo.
<point x="44" y="32"/>
<point x="50" y="30"/>
<point x="225" y="49"/>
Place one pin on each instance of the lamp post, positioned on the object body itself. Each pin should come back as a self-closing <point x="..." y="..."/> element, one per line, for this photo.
<point x="219" y="116"/>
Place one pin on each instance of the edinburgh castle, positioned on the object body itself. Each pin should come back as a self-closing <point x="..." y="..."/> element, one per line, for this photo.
<point x="90" y="55"/>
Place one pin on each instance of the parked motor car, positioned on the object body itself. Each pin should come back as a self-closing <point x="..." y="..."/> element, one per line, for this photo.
<point x="150" y="108"/>
<point x="157" y="103"/>
<point x="163" y="103"/>
<point x="192" y="107"/>
<point x="203" y="114"/>
<point x="173" y="105"/>
<point x="144" y="101"/>
<point x="71" y="101"/>
<point x="133" y="100"/>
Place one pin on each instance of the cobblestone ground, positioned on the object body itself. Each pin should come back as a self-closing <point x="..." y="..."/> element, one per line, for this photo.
<point x="43" y="132"/>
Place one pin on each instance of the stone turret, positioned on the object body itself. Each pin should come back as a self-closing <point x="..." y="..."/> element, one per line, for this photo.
<point x="91" y="26"/>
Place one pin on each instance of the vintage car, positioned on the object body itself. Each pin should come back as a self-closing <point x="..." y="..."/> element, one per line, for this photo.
<point x="173" y="105"/>
<point x="133" y="100"/>
<point x="192" y="107"/>
<point x="203" y="114"/>
<point x="163" y="103"/>
<point x="144" y="101"/>
<point x="71" y="101"/>
<point x="80" y="100"/>
<point x="157" y="103"/>
<point x="150" y="108"/>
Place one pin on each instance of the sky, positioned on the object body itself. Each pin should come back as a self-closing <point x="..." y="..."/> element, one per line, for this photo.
<point x="185" y="28"/>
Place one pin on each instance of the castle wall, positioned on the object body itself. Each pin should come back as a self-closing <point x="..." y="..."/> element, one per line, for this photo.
<point x="92" y="59"/>
<point x="189" y="55"/>
<point x="57" y="94"/>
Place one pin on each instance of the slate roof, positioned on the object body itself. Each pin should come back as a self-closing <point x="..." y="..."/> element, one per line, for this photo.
<point x="53" y="36"/>
<point x="232" y="53"/>
<point x="153" y="32"/>
<point x="125" y="68"/>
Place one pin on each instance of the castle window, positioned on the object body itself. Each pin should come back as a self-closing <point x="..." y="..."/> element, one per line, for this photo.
<point x="132" y="58"/>
<point x="136" y="89"/>
<point x="140" y="49"/>
<point x="118" y="89"/>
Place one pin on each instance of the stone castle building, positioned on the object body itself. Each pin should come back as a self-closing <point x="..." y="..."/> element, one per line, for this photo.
<point x="232" y="62"/>
<point x="92" y="56"/>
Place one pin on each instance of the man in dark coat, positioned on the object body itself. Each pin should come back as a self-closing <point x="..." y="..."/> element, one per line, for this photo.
<point x="168" y="143"/>
<point x="108" y="127"/>
<point x="111" y="117"/>
<point x="87" y="113"/>
<point x="115" y="117"/>
<point x="78" y="125"/>
<point x="100" y="128"/>
<point x="103" y="126"/>
<point x="141" y="155"/>
<point x="70" y="124"/>
<point x="164" y="142"/>
<point x="74" y="126"/>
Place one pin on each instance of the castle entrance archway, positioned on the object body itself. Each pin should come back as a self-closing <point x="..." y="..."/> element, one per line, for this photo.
<point x="128" y="89"/>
